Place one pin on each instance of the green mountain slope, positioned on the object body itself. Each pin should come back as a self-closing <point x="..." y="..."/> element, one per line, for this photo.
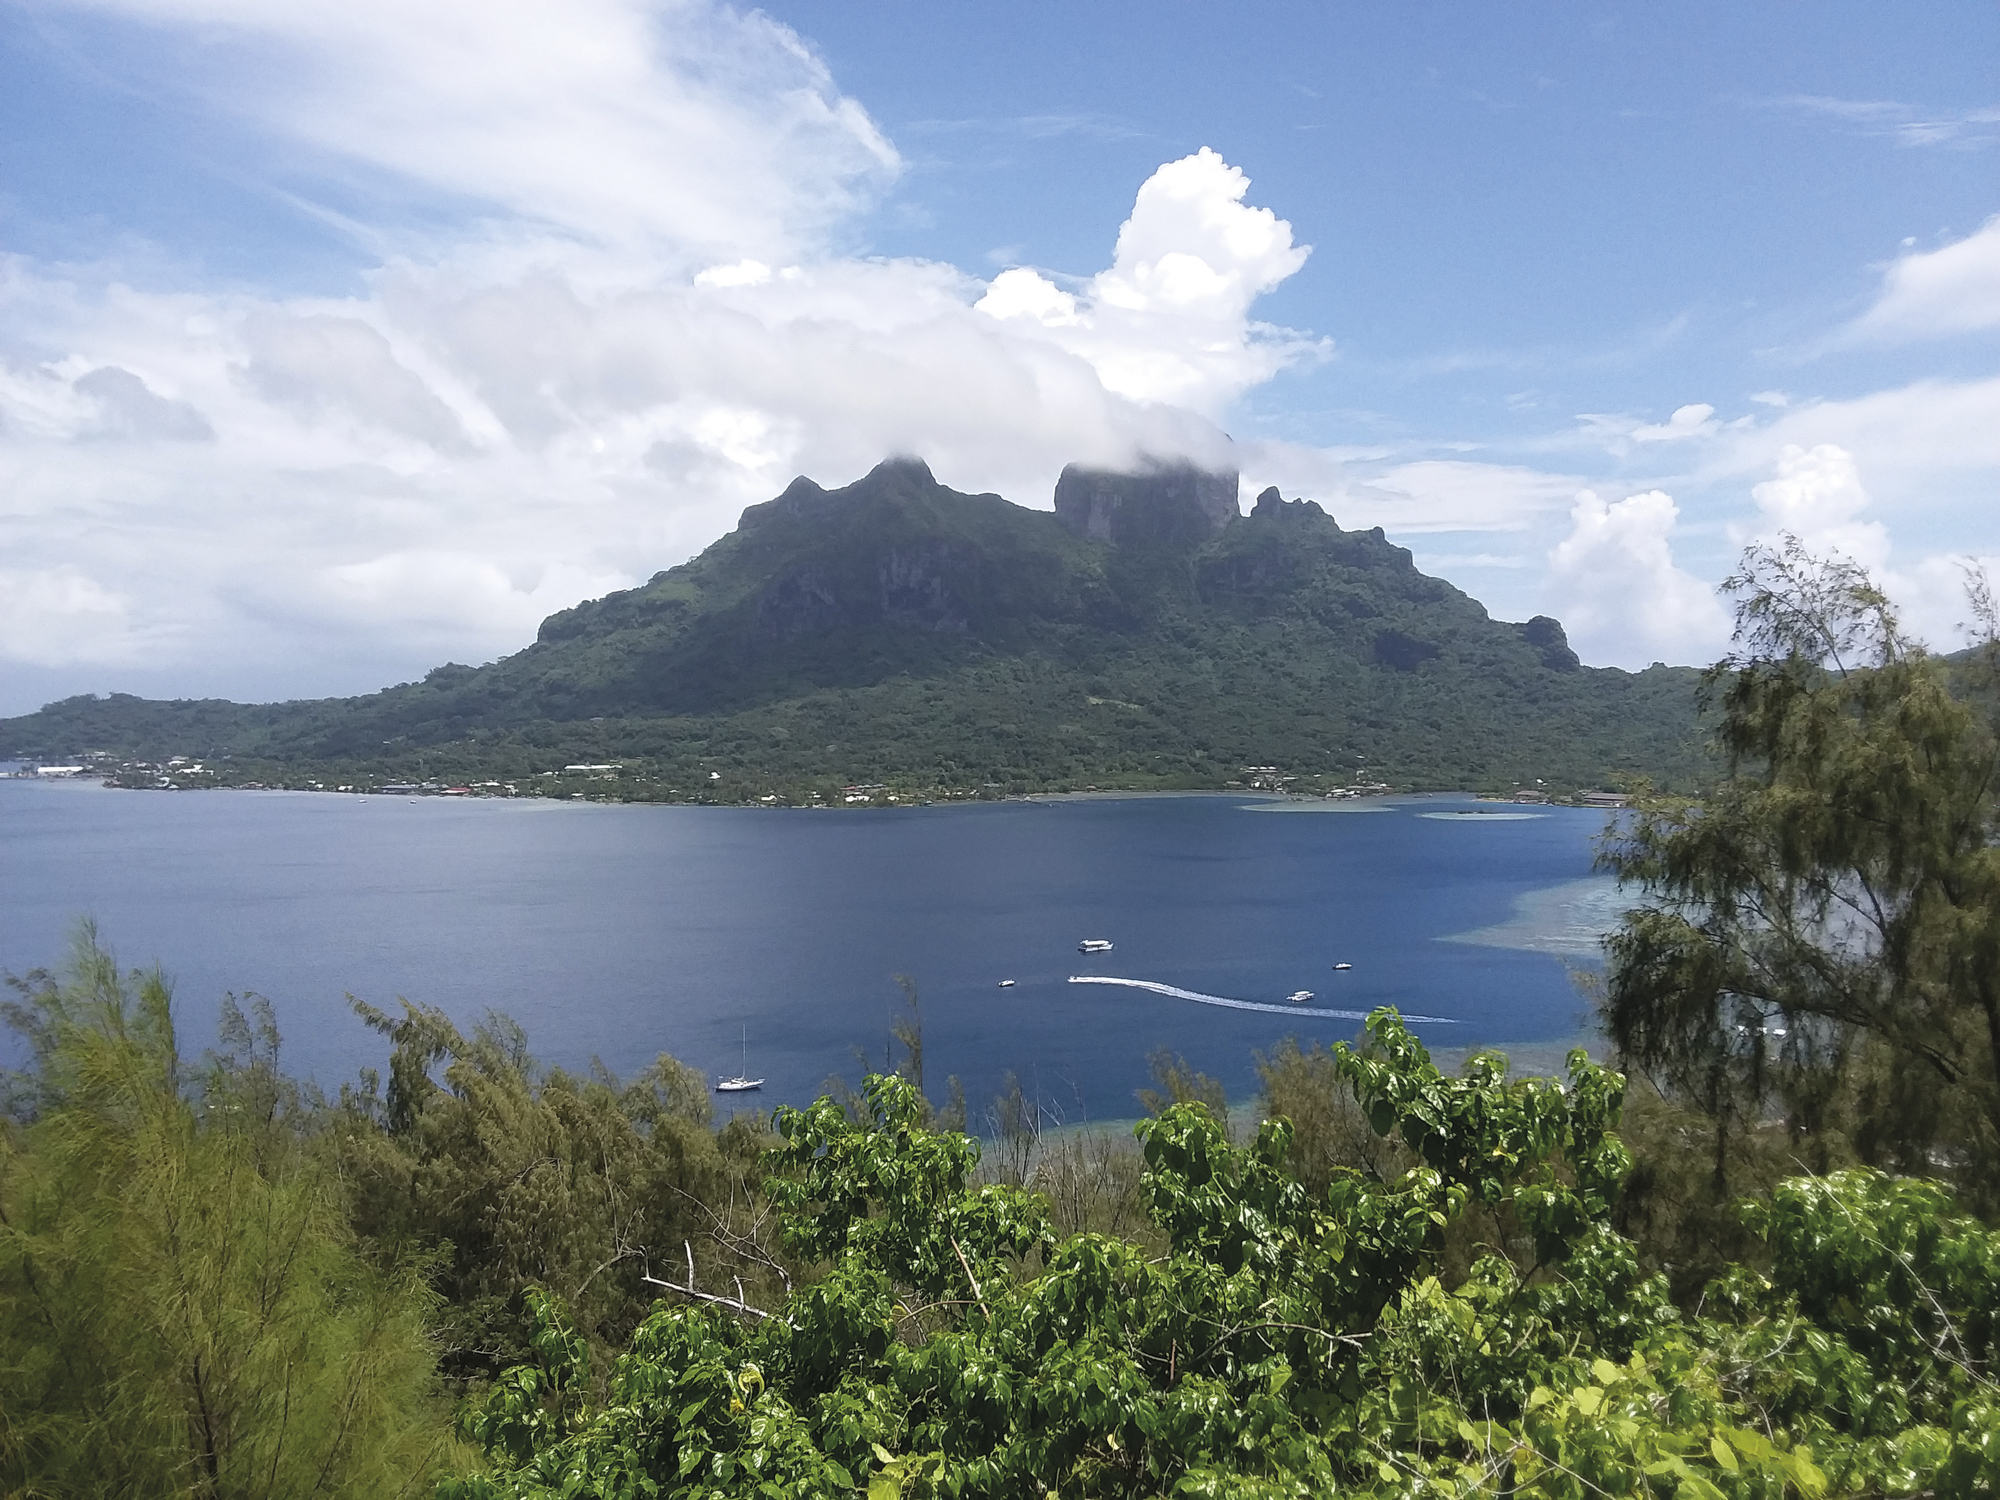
<point x="898" y="631"/>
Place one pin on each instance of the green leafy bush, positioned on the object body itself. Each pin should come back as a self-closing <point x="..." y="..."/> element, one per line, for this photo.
<point x="1290" y="1341"/>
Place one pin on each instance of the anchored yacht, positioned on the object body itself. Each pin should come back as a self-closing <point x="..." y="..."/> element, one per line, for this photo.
<point x="740" y="1084"/>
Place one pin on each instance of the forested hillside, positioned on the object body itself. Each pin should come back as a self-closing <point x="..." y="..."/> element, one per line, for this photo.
<point x="899" y="632"/>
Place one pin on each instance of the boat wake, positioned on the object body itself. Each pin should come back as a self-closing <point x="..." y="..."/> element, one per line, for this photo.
<point x="1227" y="1004"/>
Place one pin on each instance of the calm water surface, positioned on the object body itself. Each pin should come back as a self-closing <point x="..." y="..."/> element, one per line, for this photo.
<point x="618" y="932"/>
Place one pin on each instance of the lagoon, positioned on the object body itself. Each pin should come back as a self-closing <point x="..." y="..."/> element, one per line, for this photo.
<point x="616" y="932"/>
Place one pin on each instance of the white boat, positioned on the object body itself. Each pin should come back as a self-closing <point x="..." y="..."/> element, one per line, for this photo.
<point x="1338" y="967"/>
<point x="740" y="1084"/>
<point x="1006" y="984"/>
<point x="1094" y="945"/>
<point x="1299" y="997"/>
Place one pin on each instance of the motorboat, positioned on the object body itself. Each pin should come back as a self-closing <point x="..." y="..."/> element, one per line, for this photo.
<point x="1006" y="984"/>
<point x="1299" y="997"/>
<point x="1094" y="945"/>
<point x="1338" y="968"/>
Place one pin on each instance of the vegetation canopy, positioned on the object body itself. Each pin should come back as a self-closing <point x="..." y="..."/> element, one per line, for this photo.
<point x="1286" y="1342"/>
<point x="1819" y="948"/>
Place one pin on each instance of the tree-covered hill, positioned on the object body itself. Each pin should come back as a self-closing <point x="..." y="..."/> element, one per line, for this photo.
<point x="899" y="631"/>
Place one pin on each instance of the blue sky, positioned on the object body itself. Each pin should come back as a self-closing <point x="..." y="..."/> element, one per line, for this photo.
<point x="338" y="339"/>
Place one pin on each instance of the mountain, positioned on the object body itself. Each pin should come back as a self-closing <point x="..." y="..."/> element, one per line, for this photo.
<point x="899" y="632"/>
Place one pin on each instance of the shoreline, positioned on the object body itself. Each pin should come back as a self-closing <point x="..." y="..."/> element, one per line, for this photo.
<point x="1254" y="799"/>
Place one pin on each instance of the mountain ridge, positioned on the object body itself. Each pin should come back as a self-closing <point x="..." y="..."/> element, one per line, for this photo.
<point x="896" y="629"/>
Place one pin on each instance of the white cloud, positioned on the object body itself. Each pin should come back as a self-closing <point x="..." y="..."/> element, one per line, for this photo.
<point x="56" y="616"/>
<point x="342" y="369"/>
<point x="1622" y="600"/>
<point x="1022" y="293"/>
<point x="684" y="129"/>
<point x="132" y="409"/>
<point x="1687" y="421"/>
<point x="1905" y="124"/>
<point x="1817" y="497"/>
<point x="1930" y="450"/>
<point x="1936" y="293"/>
<point x="1359" y="489"/>
<point x="586" y="380"/>
<point x="1931" y="599"/>
<point x="1169" y="320"/>
<point x="1457" y="495"/>
<point x="742" y="273"/>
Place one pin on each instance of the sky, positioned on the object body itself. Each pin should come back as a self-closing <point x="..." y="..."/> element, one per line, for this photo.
<point x="342" y="338"/>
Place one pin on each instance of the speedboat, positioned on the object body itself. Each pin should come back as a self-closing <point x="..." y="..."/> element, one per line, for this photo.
<point x="1006" y="984"/>
<point x="1338" y="967"/>
<point x="1094" y="945"/>
<point x="1299" y="997"/>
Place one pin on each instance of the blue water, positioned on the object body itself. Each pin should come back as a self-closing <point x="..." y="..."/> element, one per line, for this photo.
<point x="617" y="932"/>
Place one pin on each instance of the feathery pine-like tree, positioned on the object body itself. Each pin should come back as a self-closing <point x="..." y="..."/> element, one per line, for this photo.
<point x="182" y="1311"/>
<point x="1820" y="939"/>
<point x="514" y="1175"/>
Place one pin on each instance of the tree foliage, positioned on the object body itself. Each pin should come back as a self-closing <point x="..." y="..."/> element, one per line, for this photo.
<point x="511" y="1176"/>
<point x="183" y="1310"/>
<point x="1289" y="1342"/>
<point x="1820" y="941"/>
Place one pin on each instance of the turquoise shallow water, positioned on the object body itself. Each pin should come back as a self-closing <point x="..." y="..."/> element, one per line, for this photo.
<point x="617" y="932"/>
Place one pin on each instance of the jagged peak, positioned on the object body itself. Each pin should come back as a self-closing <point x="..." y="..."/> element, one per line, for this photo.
<point x="900" y="466"/>
<point x="1270" y="503"/>
<point x="1546" y="635"/>
<point x="804" y="495"/>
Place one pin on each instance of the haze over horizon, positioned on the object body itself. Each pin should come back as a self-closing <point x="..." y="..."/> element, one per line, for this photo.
<point x="341" y="340"/>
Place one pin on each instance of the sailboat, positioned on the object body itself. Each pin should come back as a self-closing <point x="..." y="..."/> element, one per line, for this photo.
<point x="741" y="1083"/>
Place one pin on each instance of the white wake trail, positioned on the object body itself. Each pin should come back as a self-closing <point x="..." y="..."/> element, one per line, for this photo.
<point x="1228" y="1004"/>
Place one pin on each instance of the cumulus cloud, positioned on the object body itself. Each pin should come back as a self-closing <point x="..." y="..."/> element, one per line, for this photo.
<point x="1614" y="584"/>
<point x="1169" y="319"/>
<point x="1937" y="293"/>
<point x="1817" y="497"/>
<point x="638" y="321"/>
<point x="1930" y="449"/>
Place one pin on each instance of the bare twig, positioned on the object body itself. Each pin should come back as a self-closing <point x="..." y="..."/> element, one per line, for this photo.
<point x="732" y="1303"/>
<point x="970" y="1280"/>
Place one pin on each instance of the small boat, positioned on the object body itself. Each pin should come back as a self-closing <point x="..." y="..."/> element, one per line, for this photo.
<point x="1094" y="945"/>
<point x="1006" y="984"/>
<point x="1337" y="968"/>
<point x="1299" y="997"/>
<point x="740" y="1084"/>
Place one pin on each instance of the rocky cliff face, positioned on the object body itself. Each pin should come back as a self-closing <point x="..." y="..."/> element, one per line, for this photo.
<point x="1171" y="502"/>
